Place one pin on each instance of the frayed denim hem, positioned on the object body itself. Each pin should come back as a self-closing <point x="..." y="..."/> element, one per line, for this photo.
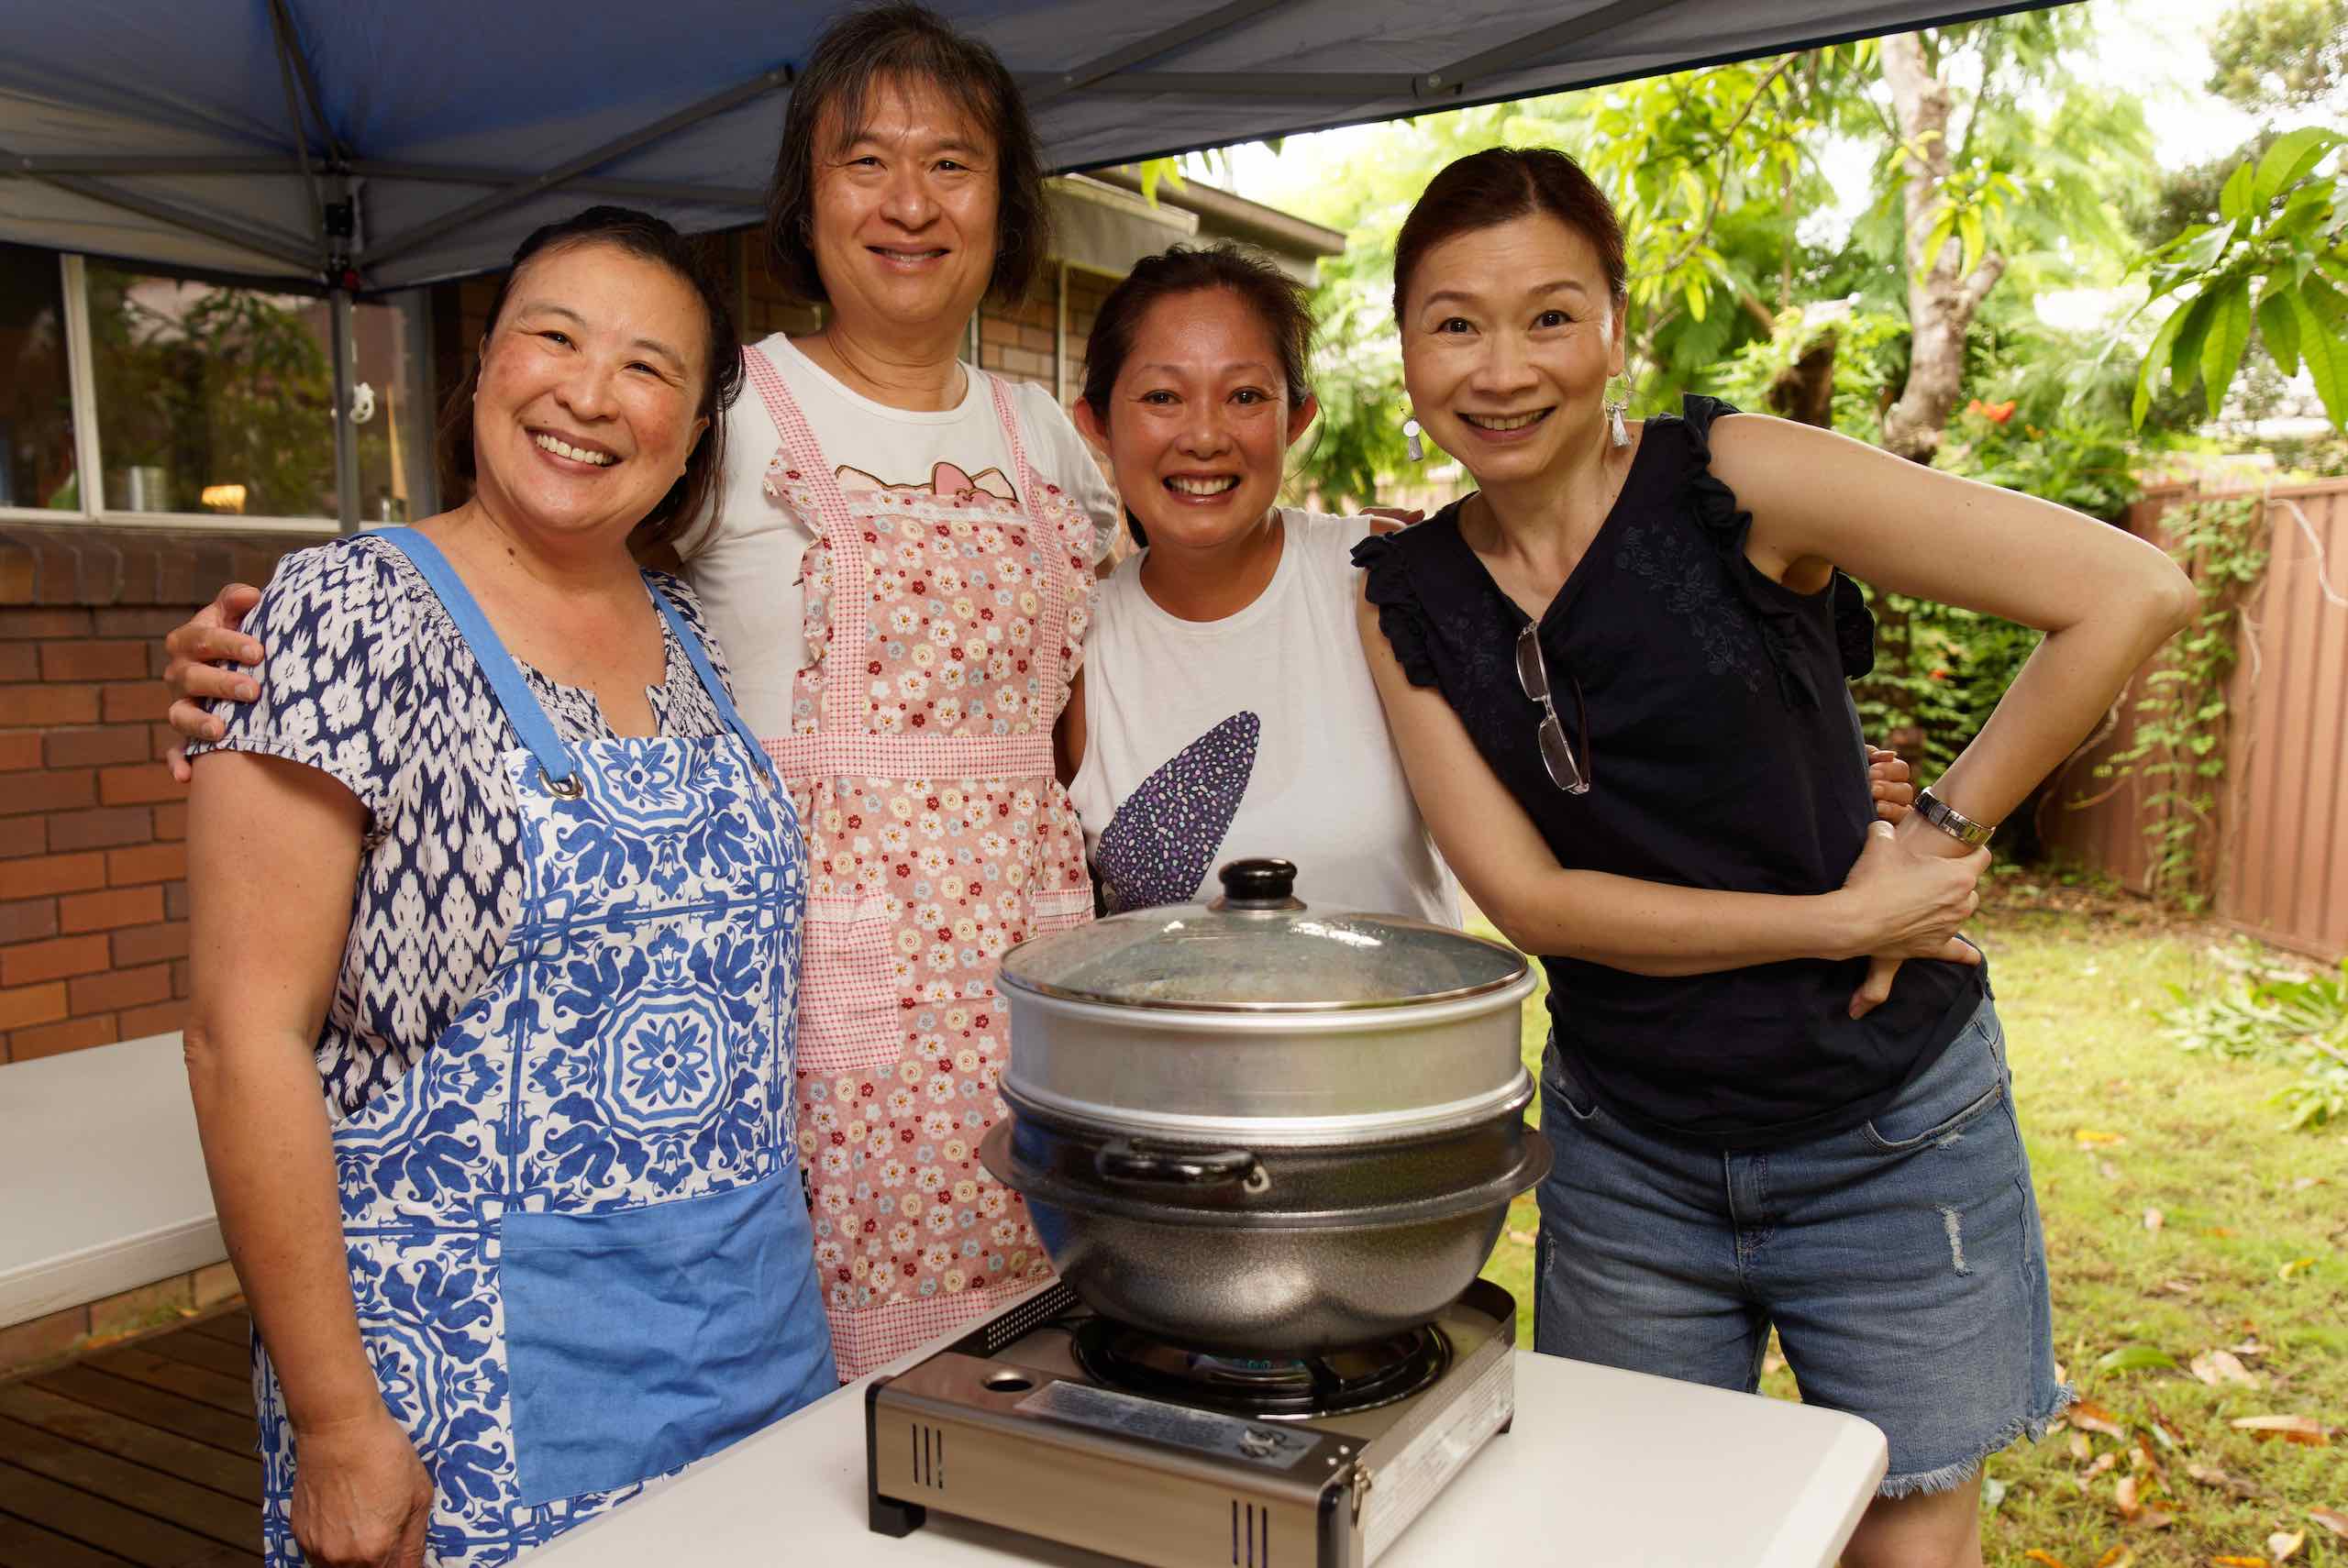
<point x="1948" y="1477"/>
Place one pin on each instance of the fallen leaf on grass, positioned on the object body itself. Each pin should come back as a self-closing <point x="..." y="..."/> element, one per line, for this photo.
<point x="2284" y="1544"/>
<point x="2237" y="1563"/>
<point x="2154" y="1218"/>
<point x="2079" y="1449"/>
<point x="2135" y="1358"/>
<point x="2211" y="1475"/>
<point x="2220" y="1231"/>
<point x="2330" y="1520"/>
<point x="2118" y="1557"/>
<point x="2090" y="1137"/>
<point x="2165" y="1431"/>
<point x="1522" y="1238"/>
<point x="2153" y="1518"/>
<point x="2215" y="1367"/>
<point x="1771" y="1361"/>
<point x="2123" y="1497"/>
<point x="2177" y="1287"/>
<point x="2046" y="1558"/>
<point x="2091" y="1417"/>
<point x="2107" y="1170"/>
<point x="2291" y="1428"/>
<point x="2297" y="1265"/>
<point x="2250" y="1347"/>
<point x="2103" y="1461"/>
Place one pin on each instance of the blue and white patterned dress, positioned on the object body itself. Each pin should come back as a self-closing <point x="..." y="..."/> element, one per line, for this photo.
<point x="369" y="682"/>
<point x="558" y="1059"/>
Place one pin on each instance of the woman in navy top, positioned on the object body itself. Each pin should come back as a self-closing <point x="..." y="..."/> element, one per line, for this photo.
<point x="1615" y="675"/>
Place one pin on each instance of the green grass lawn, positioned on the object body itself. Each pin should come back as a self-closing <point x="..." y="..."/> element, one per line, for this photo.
<point x="2179" y="1218"/>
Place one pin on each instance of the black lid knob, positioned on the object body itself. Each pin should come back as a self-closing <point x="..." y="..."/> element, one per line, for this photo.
<point x="1259" y="885"/>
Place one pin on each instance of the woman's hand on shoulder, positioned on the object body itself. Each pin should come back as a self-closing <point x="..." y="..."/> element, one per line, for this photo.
<point x="208" y="657"/>
<point x="361" y="1498"/>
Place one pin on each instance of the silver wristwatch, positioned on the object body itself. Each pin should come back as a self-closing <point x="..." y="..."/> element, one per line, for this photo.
<point x="1952" y="822"/>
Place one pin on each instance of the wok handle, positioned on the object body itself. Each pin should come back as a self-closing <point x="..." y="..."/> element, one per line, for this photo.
<point x="1128" y="1161"/>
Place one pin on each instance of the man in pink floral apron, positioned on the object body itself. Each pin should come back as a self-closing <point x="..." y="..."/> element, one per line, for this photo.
<point x="941" y="624"/>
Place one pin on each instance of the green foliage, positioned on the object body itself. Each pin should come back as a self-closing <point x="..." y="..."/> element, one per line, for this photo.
<point x="2274" y="260"/>
<point x="2178" y="747"/>
<point x="1714" y="173"/>
<point x="2279" y="1016"/>
<point x="1869" y="349"/>
<point x="2275" y="56"/>
<point x="230" y="386"/>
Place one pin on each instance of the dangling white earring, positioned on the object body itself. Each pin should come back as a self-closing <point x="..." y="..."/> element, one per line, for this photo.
<point x="1410" y="440"/>
<point x="1615" y="409"/>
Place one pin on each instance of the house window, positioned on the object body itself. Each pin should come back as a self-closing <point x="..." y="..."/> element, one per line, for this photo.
<point x="207" y="402"/>
<point x="37" y="457"/>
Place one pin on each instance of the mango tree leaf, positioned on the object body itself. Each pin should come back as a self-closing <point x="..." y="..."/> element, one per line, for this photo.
<point x="2288" y="161"/>
<point x="2233" y="201"/>
<point x="2156" y="361"/>
<point x="2203" y="253"/>
<point x="1975" y="242"/>
<point x="2134" y="1358"/>
<point x="2324" y="343"/>
<point x="2228" y="335"/>
<point x="1937" y="242"/>
<point x="2279" y="324"/>
<point x="2184" y="354"/>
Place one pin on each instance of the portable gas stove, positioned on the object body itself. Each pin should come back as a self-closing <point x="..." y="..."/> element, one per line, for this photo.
<point x="1056" y="1421"/>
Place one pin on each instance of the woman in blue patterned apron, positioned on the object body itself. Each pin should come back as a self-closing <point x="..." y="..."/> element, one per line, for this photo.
<point x="530" y="917"/>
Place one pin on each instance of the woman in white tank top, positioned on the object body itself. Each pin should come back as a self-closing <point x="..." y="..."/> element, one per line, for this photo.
<point x="1224" y="709"/>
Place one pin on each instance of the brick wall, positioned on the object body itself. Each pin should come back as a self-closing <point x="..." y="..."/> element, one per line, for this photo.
<point x="92" y="830"/>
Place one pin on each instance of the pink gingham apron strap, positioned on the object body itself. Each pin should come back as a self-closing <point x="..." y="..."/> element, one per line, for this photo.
<point x="851" y="612"/>
<point x="1051" y="626"/>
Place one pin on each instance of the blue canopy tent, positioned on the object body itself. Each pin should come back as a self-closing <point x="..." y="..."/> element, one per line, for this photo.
<point x="358" y="146"/>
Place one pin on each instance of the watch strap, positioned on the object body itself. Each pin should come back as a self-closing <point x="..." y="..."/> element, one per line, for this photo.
<point x="1952" y="822"/>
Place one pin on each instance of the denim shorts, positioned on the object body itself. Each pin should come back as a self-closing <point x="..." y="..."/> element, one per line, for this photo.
<point x="1901" y="1261"/>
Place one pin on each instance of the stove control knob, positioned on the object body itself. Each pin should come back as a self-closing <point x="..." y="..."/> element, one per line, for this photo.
<point x="1256" y="1442"/>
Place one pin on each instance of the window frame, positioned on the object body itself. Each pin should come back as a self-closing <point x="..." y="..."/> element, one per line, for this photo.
<point x="89" y="456"/>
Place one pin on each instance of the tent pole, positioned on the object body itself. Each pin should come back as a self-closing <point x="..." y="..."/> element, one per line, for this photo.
<point x="346" y="435"/>
<point x="1533" y="46"/>
<point x="272" y="243"/>
<point x="282" y="26"/>
<point x="1220" y="21"/>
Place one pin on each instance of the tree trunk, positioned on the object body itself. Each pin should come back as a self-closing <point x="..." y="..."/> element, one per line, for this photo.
<point x="1804" y="390"/>
<point x="1941" y="300"/>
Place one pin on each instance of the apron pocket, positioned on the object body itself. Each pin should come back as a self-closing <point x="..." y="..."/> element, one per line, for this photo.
<point x="641" y="1340"/>
<point x="848" y="1017"/>
<point x="1062" y="908"/>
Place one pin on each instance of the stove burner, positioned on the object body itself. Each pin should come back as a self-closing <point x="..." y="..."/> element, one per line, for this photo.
<point x="1360" y="1378"/>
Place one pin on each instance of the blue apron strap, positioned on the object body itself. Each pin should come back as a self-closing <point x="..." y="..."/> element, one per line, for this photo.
<point x="699" y="655"/>
<point x="522" y="710"/>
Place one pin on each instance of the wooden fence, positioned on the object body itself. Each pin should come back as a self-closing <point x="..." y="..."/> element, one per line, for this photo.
<point x="2277" y="851"/>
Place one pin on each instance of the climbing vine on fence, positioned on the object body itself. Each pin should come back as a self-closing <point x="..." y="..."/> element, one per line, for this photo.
<point x="2178" y="747"/>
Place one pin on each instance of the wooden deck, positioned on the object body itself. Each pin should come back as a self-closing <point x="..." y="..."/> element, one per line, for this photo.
<point x="141" y="1455"/>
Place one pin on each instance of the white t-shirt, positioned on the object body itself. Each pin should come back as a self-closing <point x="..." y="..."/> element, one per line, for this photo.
<point x="745" y="563"/>
<point x="1257" y="735"/>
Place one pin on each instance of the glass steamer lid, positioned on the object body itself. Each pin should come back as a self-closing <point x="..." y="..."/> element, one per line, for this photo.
<point x="1258" y="949"/>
